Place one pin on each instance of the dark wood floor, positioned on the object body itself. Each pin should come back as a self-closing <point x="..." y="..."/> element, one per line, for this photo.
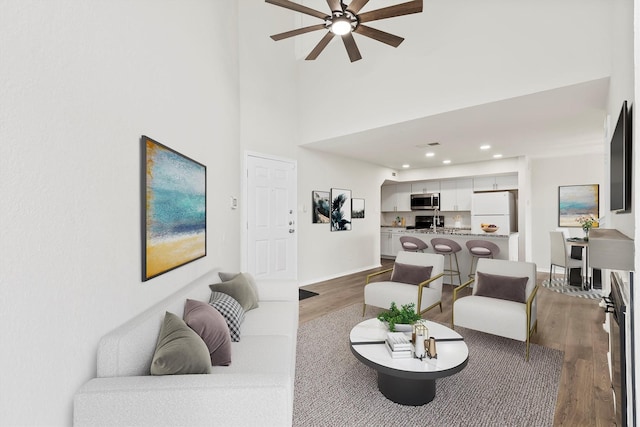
<point x="570" y="324"/>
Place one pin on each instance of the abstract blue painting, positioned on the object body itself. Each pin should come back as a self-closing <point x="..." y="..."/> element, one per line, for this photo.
<point x="575" y="201"/>
<point x="175" y="209"/>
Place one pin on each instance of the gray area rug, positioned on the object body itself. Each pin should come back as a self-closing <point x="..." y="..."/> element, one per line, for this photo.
<point x="497" y="387"/>
<point x="559" y="285"/>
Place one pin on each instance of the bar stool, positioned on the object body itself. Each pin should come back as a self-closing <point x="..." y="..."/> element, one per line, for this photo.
<point x="448" y="247"/>
<point x="480" y="249"/>
<point x="412" y="244"/>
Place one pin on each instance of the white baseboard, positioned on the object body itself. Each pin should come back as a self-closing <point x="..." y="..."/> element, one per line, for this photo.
<point x="334" y="276"/>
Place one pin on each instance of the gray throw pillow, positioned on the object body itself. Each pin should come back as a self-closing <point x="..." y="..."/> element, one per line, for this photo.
<point x="179" y="350"/>
<point x="212" y="327"/>
<point x="411" y="274"/>
<point x="501" y="287"/>
<point x="231" y="310"/>
<point x="240" y="289"/>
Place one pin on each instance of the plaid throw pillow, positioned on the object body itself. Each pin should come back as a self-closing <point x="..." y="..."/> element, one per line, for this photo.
<point x="231" y="310"/>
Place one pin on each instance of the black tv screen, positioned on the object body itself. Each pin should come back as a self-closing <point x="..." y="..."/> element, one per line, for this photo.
<point x="620" y="163"/>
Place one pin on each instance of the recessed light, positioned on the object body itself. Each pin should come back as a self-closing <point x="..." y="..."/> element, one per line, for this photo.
<point x="406" y="166"/>
<point x="497" y="156"/>
<point x="430" y="154"/>
<point x="485" y="147"/>
<point x="446" y="162"/>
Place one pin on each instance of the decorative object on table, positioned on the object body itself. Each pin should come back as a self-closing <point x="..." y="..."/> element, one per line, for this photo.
<point x="357" y="208"/>
<point x="587" y="222"/>
<point x="431" y="349"/>
<point x="174" y="209"/>
<point x="340" y="209"/>
<point x="422" y="334"/>
<point x="575" y="201"/>
<point x="395" y="316"/>
<point x="398" y="345"/>
<point x="320" y="207"/>
<point x="489" y="228"/>
<point x="344" y="20"/>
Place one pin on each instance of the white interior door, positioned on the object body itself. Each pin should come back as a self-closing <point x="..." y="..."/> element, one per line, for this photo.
<point x="271" y="218"/>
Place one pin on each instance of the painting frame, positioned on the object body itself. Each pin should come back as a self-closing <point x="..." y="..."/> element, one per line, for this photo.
<point x="320" y="207"/>
<point x="357" y="209"/>
<point x="174" y="209"/>
<point x="575" y="201"/>
<point x="340" y="209"/>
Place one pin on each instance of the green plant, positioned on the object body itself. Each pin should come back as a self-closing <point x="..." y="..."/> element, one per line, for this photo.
<point x="404" y="315"/>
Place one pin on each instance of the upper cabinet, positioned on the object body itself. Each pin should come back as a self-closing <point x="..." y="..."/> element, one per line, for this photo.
<point x="493" y="183"/>
<point x="395" y="198"/>
<point x="455" y="195"/>
<point x="425" y="187"/>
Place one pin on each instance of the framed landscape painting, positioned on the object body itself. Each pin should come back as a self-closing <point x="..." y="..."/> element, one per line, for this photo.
<point x="357" y="208"/>
<point x="174" y="209"/>
<point x="320" y="207"/>
<point x="575" y="201"/>
<point x="340" y="209"/>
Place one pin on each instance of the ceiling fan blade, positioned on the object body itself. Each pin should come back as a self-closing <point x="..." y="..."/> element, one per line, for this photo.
<point x="407" y="8"/>
<point x="320" y="46"/>
<point x="297" y="32"/>
<point x="356" y="5"/>
<point x="352" y="48"/>
<point x="298" y="8"/>
<point x="381" y="36"/>
<point x="334" y="5"/>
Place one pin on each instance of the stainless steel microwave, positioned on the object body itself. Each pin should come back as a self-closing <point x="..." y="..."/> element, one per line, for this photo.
<point x="426" y="201"/>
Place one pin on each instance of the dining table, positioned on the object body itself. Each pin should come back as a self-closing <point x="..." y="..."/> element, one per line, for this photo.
<point x="583" y="243"/>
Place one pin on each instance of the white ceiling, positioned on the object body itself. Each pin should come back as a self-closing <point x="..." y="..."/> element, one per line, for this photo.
<point x="551" y="123"/>
<point x="555" y="122"/>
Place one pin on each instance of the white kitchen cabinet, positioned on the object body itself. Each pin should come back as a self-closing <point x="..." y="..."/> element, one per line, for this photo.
<point x="494" y="183"/>
<point x="385" y="244"/>
<point x="395" y="198"/>
<point x="455" y="195"/>
<point x="396" y="246"/>
<point x="421" y="187"/>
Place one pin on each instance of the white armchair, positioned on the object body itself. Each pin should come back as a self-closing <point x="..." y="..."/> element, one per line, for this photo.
<point x="503" y="301"/>
<point x="425" y="291"/>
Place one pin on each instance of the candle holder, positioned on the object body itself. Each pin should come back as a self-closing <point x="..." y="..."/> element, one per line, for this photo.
<point x="422" y="334"/>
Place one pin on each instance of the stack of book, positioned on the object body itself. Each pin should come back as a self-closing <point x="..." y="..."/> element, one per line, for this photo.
<point x="399" y="345"/>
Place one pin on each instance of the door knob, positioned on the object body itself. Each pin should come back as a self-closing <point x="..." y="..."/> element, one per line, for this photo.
<point x="291" y="230"/>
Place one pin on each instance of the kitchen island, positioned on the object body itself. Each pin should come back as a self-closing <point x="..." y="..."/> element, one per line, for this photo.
<point x="390" y="244"/>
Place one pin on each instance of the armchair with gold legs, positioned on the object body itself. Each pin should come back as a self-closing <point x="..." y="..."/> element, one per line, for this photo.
<point x="416" y="277"/>
<point x="503" y="300"/>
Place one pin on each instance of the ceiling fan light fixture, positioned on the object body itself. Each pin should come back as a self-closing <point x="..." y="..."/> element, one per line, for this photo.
<point x="341" y="26"/>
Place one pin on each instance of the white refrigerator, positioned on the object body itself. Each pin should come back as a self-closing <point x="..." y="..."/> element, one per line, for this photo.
<point x="496" y="208"/>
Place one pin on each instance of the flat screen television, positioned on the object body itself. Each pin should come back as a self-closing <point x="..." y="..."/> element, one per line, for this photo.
<point x="620" y="163"/>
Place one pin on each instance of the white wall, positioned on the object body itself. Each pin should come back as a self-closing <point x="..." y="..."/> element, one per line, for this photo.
<point x="324" y="254"/>
<point x="79" y="83"/>
<point x="621" y="89"/>
<point x="547" y="174"/>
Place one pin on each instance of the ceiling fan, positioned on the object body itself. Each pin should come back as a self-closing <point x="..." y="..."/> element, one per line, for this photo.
<point x="344" y="20"/>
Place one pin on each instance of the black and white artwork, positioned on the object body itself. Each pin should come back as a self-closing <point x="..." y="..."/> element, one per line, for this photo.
<point x="340" y="209"/>
<point x="320" y="205"/>
<point x="357" y="208"/>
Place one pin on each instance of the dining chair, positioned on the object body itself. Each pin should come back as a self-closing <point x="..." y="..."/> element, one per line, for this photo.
<point x="560" y="256"/>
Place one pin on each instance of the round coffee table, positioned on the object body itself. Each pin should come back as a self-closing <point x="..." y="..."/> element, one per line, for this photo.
<point x="408" y="381"/>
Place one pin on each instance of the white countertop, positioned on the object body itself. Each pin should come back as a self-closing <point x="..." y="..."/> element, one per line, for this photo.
<point x="444" y="231"/>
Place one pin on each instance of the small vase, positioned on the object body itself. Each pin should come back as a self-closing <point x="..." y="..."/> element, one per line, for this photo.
<point x="586" y="234"/>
